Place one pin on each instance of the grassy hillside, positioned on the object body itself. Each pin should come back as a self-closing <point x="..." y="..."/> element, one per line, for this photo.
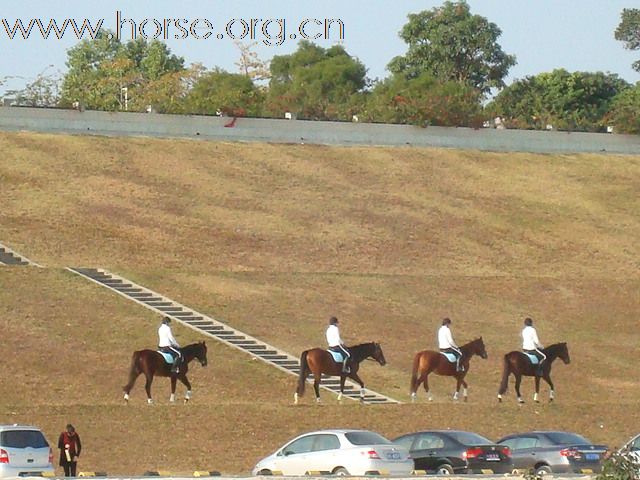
<point x="274" y="239"/>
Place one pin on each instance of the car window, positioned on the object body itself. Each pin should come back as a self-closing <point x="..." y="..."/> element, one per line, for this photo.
<point x="301" y="445"/>
<point x="635" y="445"/>
<point x="565" y="438"/>
<point x="469" y="438"/>
<point x="326" y="442"/>
<point x="366" y="438"/>
<point x="23" y="439"/>
<point x="512" y="443"/>
<point x="405" y="441"/>
<point x="428" y="441"/>
<point x="527" y="442"/>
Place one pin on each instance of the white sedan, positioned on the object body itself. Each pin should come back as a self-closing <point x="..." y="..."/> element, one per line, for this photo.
<point x="338" y="452"/>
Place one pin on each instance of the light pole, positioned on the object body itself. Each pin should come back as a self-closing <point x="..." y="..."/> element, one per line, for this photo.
<point x="124" y="91"/>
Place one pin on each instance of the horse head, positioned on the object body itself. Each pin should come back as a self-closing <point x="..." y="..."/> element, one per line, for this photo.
<point x="201" y="353"/>
<point x="475" y="347"/>
<point x="377" y="354"/>
<point x="563" y="354"/>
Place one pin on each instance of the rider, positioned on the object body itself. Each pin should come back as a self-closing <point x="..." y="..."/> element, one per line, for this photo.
<point x="337" y="345"/>
<point x="446" y="343"/>
<point x="167" y="343"/>
<point x="531" y="344"/>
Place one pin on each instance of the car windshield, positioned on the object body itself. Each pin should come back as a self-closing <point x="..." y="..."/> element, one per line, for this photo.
<point x="23" y="439"/>
<point x="565" y="438"/>
<point x="366" y="438"/>
<point x="468" y="438"/>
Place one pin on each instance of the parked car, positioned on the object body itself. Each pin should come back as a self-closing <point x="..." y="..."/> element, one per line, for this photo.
<point x="631" y="450"/>
<point x="452" y="451"/>
<point x="24" y="451"/>
<point x="554" y="452"/>
<point x="339" y="452"/>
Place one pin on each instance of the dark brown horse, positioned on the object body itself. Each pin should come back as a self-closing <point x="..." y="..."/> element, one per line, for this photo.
<point x="318" y="361"/>
<point x="429" y="361"/>
<point x="151" y="363"/>
<point x="518" y="364"/>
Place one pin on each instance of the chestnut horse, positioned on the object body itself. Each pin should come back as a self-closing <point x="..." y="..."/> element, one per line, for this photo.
<point x="151" y="363"/>
<point x="519" y="364"/>
<point x="429" y="361"/>
<point x="318" y="361"/>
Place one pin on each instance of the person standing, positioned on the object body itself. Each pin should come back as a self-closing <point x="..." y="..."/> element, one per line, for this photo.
<point x="167" y="343"/>
<point x="70" y="447"/>
<point x="531" y="343"/>
<point x="446" y="343"/>
<point x="336" y="344"/>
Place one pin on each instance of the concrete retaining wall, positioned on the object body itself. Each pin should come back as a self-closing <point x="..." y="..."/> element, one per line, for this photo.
<point x="298" y="131"/>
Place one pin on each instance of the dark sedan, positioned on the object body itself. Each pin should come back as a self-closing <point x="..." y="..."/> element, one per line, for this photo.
<point x="452" y="451"/>
<point x="554" y="452"/>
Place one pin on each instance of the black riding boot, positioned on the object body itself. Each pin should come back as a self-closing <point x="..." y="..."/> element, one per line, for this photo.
<point x="345" y="367"/>
<point x="176" y="365"/>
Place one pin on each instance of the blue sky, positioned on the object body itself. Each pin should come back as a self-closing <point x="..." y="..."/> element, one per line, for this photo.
<point x="543" y="34"/>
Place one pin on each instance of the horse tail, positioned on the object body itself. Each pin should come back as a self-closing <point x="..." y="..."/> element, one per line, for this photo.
<point x="414" y="373"/>
<point x="134" y="371"/>
<point x="304" y="371"/>
<point x="505" y="375"/>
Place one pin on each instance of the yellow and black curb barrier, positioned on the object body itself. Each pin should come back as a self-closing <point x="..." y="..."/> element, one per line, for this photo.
<point x="206" y="473"/>
<point x="316" y="473"/>
<point x="419" y="472"/>
<point x="166" y="473"/>
<point x="92" y="474"/>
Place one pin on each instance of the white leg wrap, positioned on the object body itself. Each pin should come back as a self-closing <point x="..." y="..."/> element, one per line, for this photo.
<point x="465" y="393"/>
<point x="340" y="396"/>
<point x="172" y="398"/>
<point x="362" y="393"/>
<point x="187" y="395"/>
<point x="430" y="398"/>
<point x="413" y="396"/>
<point x="535" y="397"/>
<point x="317" y="399"/>
<point x="149" y="401"/>
<point x="295" y="398"/>
<point x="499" y="397"/>
<point x="455" y="396"/>
<point x="520" y="400"/>
<point x="552" y="394"/>
<point x="126" y="397"/>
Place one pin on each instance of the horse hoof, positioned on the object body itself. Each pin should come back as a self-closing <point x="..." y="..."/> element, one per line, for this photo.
<point x="499" y="400"/>
<point x="465" y="399"/>
<point x="550" y="400"/>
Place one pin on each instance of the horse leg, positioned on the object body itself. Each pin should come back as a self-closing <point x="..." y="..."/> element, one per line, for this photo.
<point x="342" y="380"/>
<point x="316" y="386"/>
<point x="547" y="378"/>
<point x="518" y="381"/>
<point x="183" y="378"/>
<point x="426" y="387"/>
<point x="535" y="395"/>
<point x="355" y="377"/>
<point x="465" y="394"/>
<point x="147" y="387"/>
<point x="458" y="383"/>
<point x="174" y="380"/>
<point x="127" y="388"/>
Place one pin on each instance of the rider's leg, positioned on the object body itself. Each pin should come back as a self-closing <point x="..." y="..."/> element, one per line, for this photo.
<point x="345" y="363"/>
<point x="458" y="354"/>
<point x="177" y="361"/>
<point x="541" y="358"/>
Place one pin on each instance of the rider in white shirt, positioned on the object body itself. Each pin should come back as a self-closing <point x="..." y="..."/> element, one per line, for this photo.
<point x="446" y="343"/>
<point x="336" y="344"/>
<point x="168" y="343"/>
<point x="531" y="344"/>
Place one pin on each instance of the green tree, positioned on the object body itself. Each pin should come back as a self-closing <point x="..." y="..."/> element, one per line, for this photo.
<point x="100" y="70"/>
<point x="231" y="94"/>
<point x="423" y="101"/>
<point x="451" y="44"/>
<point x="625" y="111"/>
<point x="628" y="31"/>
<point x="568" y="101"/>
<point x="315" y="83"/>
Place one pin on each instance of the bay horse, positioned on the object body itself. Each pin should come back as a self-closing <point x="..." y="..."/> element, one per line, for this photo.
<point x="428" y="361"/>
<point x="518" y="364"/>
<point x="151" y="363"/>
<point x="318" y="361"/>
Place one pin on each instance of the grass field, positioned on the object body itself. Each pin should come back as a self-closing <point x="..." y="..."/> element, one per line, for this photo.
<point x="274" y="239"/>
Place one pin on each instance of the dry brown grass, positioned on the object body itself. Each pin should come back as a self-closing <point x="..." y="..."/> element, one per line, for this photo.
<point x="275" y="239"/>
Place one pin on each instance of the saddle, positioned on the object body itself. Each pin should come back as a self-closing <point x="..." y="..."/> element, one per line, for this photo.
<point x="449" y="356"/>
<point x="167" y="357"/>
<point x="338" y="357"/>
<point x="532" y="358"/>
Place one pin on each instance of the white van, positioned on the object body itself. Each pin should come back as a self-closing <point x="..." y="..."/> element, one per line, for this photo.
<point x="24" y="451"/>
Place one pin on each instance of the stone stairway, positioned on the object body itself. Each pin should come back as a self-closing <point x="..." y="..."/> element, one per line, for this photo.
<point x="220" y="331"/>
<point x="9" y="257"/>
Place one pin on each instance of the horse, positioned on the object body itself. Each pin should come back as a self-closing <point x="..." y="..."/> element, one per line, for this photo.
<point x="428" y="361"/>
<point x="318" y="361"/>
<point x="151" y="363"/>
<point x="519" y="364"/>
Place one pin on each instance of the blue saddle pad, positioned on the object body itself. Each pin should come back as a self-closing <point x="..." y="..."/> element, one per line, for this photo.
<point x="167" y="357"/>
<point x="532" y="358"/>
<point x="449" y="356"/>
<point x="337" y="356"/>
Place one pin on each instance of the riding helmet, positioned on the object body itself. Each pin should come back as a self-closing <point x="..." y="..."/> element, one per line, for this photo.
<point x="166" y="320"/>
<point x="528" y="322"/>
<point x="333" y="321"/>
<point x="446" y="321"/>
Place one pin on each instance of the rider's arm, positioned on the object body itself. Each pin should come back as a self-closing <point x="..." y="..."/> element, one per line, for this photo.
<point x="536" y="341"/>
<point x="173" y="340"/>
<point x="450" y="338"/>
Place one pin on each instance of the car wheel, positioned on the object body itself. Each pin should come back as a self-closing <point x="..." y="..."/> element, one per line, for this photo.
<point x="542" y="470"/>
<point x="266" y="471"/>
<point x="341" y="472"/>
<point x="444" y="469"/>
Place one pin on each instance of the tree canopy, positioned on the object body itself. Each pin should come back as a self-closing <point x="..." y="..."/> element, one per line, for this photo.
<point x="452" y="44"/>
<point x="628" y="31"/>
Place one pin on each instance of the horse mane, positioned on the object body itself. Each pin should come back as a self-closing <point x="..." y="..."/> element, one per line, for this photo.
<point x="555" y="348"/>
